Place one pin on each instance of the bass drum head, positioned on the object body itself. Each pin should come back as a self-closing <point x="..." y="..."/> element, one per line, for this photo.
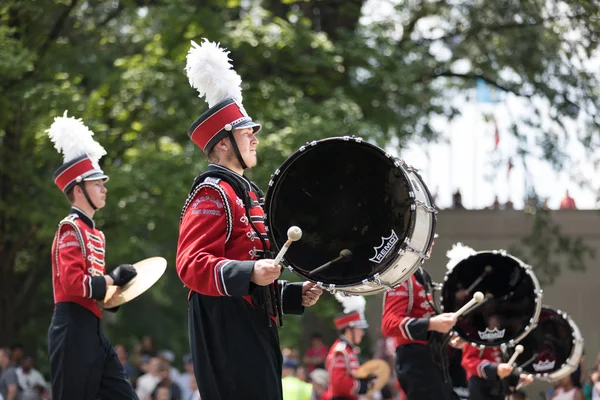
<point x="344" y="194"/>
<point x="512" y="300"/>
<point x="554" y="347"/>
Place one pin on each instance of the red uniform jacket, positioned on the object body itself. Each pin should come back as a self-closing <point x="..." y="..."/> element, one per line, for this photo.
<point x="217" y="246"/>
<point x="406" y="312"/>
<point x="482" y="363"/>
<point x="341" y="364"/>
<point x="78" y="265"/>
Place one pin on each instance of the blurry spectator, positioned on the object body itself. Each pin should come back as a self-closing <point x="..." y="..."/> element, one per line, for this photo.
<point x="595" y="377"/>
<point x="566" y="390"/>
<point x="545" y="206"/>
<point x="168" y="358"/>
<point x="301" y="373"/>
<point x="509" y="205"/>
<point x="185" y="378"/>
<point x="457" y="200"/>
<point x="567" y="203"/>
<point x="316" y="353"/>
<point x="130" y="369"/>
<point x="194" y="386"/>
<point x="162" y="392"/>
<point x="17" y="353"/>
<point x="148" y="382"/>
<point x="9" y="387"/>
<point x="31" y="380"/>
<point x="496" y="204"/>
<point x="320" y="380"/>
<point x="164" y="371"/>
<point x="148" y="346"/>
<point x="290" y="354"/>
<point x="294" y="388"/>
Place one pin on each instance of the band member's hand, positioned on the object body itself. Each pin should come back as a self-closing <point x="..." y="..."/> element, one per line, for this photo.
<point x="456" y="342"/>
<point x="123" y="274"/>
<point x="310" y="293"/>
<point x="366" y="384"/>
<point x="265" y="272"/>
<point x="525" y="379"/>
<point x="504" y="370"/>
<point x="442" y="323"/>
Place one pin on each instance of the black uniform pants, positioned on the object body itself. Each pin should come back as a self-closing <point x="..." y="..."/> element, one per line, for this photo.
<point x="419" y="376"/>
<point x="83" y="363"/>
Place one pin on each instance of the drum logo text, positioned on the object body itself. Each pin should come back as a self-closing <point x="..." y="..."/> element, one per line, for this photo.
<point x="387" y="244"/>
<point x="491" y="334"/>
<point x="543" y="365"/>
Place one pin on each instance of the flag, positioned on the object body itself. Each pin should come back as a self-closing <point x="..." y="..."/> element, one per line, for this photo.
<point x="496" y="135"/>
<point x="510" y="166"/>
<point x="486" y="93"/>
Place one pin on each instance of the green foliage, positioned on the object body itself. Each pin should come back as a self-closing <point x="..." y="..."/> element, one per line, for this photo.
<point x="311" y="69"/>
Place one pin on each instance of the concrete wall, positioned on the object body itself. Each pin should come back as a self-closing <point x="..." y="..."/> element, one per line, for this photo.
<point x="575" y="292"/>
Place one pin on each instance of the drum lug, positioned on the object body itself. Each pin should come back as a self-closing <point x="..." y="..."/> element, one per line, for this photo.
<point x="386" y="285"/>
<point x="427" y="208"/>
<point x="408" y="247"/>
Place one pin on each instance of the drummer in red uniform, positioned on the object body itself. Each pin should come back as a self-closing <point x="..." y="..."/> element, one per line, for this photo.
<point x="223" y="253"/>
<point x="421" y="360"/>
<point x="341" y="362"/>
<point x="490" y="378"/>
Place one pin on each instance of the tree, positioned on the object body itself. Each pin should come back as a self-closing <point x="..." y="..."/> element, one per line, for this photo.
<point x="311" y="69"/>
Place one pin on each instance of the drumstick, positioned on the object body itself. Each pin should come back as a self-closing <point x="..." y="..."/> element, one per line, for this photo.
<point x="486" y="271"/>
<point x="513" y="358"/>
<point x="521" y="384"/>
<point x="477" y="298"/>
<point x="294" y="233"/>
<point x="345" y="253"/>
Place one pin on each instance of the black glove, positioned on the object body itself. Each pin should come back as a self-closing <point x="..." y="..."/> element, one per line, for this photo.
<point x="123" y="274"/>
<point x="366" y="384"/>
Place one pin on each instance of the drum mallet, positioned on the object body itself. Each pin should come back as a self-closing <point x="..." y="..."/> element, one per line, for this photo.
<point x="513" y="358"/>
<point x="521" y="384"/>
<point x="486" y="271"/>
<point x="294" y="234"/>
<point x="477" y="298"/>
<point x="345" y="253"/>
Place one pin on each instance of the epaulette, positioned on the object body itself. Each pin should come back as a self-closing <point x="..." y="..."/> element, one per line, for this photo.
<point x="212" y="180"/>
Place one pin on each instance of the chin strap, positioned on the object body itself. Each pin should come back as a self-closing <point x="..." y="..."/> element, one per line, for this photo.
<point x="87" y="197"/>
<point x="236" y="150"/>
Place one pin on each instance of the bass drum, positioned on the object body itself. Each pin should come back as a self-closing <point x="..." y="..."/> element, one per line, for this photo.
<point x="512" y="302"/>
<point x="553" y="349"/>
<point x="367" y="218"/>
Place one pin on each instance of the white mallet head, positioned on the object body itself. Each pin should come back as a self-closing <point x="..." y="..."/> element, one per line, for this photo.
<point x="519" y="349"/>
<point x="478" y="296"/>
<point x="294" y="233"/>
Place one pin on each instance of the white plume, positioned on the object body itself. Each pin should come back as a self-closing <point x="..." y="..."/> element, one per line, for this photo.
<point x="457" y="253"/>
<point x="352" y="303"/>
<point x="210" y="72"/>
<point x="73" y="139"/>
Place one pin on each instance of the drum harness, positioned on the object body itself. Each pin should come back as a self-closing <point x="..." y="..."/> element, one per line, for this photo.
<point x="262" y="296"/>
<point x="437" y="341"/>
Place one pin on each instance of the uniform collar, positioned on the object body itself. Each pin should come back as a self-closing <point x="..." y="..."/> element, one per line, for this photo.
<point x="84" y="217"/>
<point x="235" y="174"/>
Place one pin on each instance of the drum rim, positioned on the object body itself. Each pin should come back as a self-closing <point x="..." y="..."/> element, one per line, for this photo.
<point x="538" y="299"/>
<point x="567" y="367"/>
<point x="276" y="176"/>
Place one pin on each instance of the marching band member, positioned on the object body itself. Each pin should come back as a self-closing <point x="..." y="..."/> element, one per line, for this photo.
<point x="83" y="363"/>
<point x="421" y="361"/>
<point x="223" y="253"/>
<point x="341" y="361"/>
<point x="489" y="378"/>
